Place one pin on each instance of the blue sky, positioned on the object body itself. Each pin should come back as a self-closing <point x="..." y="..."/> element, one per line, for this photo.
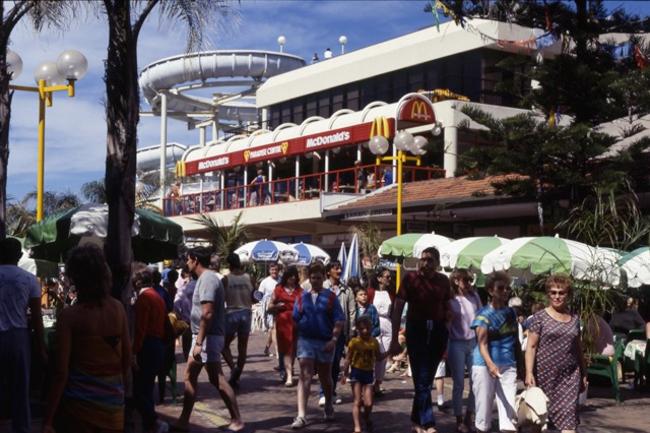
<point x="75" y="127"/>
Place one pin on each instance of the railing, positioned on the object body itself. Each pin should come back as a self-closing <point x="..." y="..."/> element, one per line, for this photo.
<point x="359" y="180"/>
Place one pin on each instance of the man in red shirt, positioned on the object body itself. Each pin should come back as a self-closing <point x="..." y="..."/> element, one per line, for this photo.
<point x="427" y="293"/>
<point x="148" y="346"/>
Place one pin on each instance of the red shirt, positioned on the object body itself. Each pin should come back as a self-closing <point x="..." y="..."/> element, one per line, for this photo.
<point x="150" y="316"/>
<point x="427" y="297"/>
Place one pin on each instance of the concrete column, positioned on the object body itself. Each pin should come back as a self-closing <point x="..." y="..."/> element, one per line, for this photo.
<point x="297" y="193"/>
<point x="358" y="152"/>
<point x="394" y="164"/>
<point x="222" y="185"/>
<point x="450" y="150"/>
<point x="202" y="136"/>
<point x="245" y="168"/>
<point x="163" y="146"/>
<point x="327" y="171"/>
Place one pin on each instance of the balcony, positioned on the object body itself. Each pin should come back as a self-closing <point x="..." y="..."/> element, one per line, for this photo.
<point x="357" y="180"/>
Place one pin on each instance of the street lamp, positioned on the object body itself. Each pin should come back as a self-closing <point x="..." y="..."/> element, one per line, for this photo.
<point x="281" y="41"/>
<point x="50" y="77"/>
<point x="342" y="41"/>
<point x="404" y="142"/>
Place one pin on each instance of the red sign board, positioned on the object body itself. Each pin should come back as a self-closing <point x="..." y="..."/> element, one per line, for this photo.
<point x="417" y="110"/>
<point x="294" y="146"/>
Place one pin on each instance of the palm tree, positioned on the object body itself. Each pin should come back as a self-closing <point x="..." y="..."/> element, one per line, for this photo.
<point x="40" y="12"/>
<point x="224" y="239"/>
<point x="370" y="240"/>
<point x="94" y="192"/>
<point x="20" y="216"/>
<point x="125" y="20"/>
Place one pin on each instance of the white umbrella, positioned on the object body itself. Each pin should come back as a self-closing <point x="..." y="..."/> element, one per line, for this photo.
<point x="467" y="253"/>
<point x="636" y="266"/>
<point x="308" y="253"/>
<point x="267" y="251"/>
<point x="352" y="266"/>
<point x="430" y="240"/>
<point x="545" y="254"/>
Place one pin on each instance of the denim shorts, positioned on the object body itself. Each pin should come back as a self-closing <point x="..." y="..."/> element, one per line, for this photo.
<point x="310" y="348"/>
<point x="238" y="322"/>
<point x="364" y="377"/>
<point x="211" y="349"/>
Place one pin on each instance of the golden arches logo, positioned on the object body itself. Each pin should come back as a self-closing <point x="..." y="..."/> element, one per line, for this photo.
<point x="247" y="155"/>
<point x="381" y="127"/>
<point x="284" y="147"/>
<point x="180" y="169"/>
<point x="419" y="111"/>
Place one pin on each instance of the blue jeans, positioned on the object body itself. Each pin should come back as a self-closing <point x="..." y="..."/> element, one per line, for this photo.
<point x="15" y="361"/>
<point x="150" y="362"/>
<point x="336" y="364"/>
<point x="426" y="341"/>
<point x="459" y="358"/>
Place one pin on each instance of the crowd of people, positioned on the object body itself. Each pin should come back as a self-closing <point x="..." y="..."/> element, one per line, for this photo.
<point x="339" y="331"/>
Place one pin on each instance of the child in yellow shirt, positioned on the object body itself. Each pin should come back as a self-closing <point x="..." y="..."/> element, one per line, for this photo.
<point x="359" y="367"/>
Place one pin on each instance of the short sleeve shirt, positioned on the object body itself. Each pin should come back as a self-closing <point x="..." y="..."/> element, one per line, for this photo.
<point x="427" y="298"/>
<point x="501" y="325"/>
<point x="17" y="287"/>
<point x="363" y="353"/>
<point x="267" y="286"/>
<point x="208" y="289"/>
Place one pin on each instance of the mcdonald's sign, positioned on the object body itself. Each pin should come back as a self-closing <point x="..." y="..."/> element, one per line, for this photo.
<point x="180" y="169"/>
<point x="380" y="126"/>
<point x="417" y="110"/>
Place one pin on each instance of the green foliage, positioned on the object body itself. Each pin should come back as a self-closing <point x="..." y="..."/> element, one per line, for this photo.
<point x="224" y="239"/>
<point x="370" y="240"/>
<point x="94" y="192"/>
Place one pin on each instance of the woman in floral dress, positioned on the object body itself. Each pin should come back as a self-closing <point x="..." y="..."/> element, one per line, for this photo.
<point x="281" y="304"/>
<point x="554" y="360"/>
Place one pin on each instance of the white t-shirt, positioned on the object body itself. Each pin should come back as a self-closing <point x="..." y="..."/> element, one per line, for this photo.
<point x="17" y="287"/>
<point x="267" y="286"/>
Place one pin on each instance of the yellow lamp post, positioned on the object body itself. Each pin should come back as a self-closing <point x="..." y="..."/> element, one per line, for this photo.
<point x="404" y="142"/>
<point x="70" y="66"/>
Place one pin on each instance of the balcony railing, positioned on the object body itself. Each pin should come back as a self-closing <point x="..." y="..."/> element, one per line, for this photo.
<point x="359" y="180"/>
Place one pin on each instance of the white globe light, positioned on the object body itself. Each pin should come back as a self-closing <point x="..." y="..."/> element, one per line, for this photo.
<point x="72" y="65"/>
<point x="437" y="129"/>
<point x="378" y="145"/>
<point x="418" y="145"/>
<point x="14" y="64"/>
<point x="282" y="40"/>
<point x="403" y="140"/>
<point x="343" y="39"/>
<point x="47" y="71"/>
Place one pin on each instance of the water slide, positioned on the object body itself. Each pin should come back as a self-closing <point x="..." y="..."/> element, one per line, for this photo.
<point x="235" y="75"/>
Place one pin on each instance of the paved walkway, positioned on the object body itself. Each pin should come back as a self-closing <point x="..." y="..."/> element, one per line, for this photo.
<point x="267" y="406"/>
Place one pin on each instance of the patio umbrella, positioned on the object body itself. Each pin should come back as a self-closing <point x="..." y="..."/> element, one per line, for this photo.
<point x="467" y="253"/>
<point x="353" y="263"/>
<point x="267" y="251"/>
<point x="411" y="244"/>
<point x="308" y="253"/>
<point x="40" y="268"/>
<point x="636" y="266"/>
<point x="154" y="237"/>
<point x="343" y="255"/>
<point x="546" y="254"/>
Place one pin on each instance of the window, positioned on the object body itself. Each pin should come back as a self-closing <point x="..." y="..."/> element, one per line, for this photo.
<point x="298" y="114"/>
<point x="311" y="108"/>
<point x="353" y="99"/>
<point x="324" y="108"/>
<point x="337" y="101"/>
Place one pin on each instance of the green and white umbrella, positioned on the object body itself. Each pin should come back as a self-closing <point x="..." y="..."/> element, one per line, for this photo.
<point x="411" y="244"/>
<point x="154" y="237"/>
<point x="636" y="266"/>
<point x="467" y="253"/>
<point x="546" y="254"/>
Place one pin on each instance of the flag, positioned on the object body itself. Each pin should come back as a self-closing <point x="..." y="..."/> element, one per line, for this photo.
<point x="352" y="266"/>
<point x="343" y="256"/>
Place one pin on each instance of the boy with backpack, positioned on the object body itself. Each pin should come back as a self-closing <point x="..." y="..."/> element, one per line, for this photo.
<point x="319" y="319"/>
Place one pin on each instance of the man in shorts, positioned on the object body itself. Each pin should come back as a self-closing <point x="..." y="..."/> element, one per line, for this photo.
<point x="207" y="324"/>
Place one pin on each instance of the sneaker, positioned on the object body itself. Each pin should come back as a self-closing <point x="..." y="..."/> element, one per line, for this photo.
<point x="321" y="401"/>
<point x="337" y="400"/>
<point x="328" y="413"/>
<point x="298" y="423"/>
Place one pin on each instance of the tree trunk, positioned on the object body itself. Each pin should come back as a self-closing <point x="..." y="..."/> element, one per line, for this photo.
<point x="581" y="30"/>
<point x="122" y="111"/>
<point x="5" y="116"/>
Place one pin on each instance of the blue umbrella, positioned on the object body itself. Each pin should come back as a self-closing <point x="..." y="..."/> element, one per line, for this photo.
<point x="343" y="256"/>
<point x="308" y="253"/>
<point x="352" y="265"/>
<point x="267" y="251"/>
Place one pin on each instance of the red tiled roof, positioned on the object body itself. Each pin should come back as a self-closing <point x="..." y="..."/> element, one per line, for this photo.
<point x="453" y="189"/>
